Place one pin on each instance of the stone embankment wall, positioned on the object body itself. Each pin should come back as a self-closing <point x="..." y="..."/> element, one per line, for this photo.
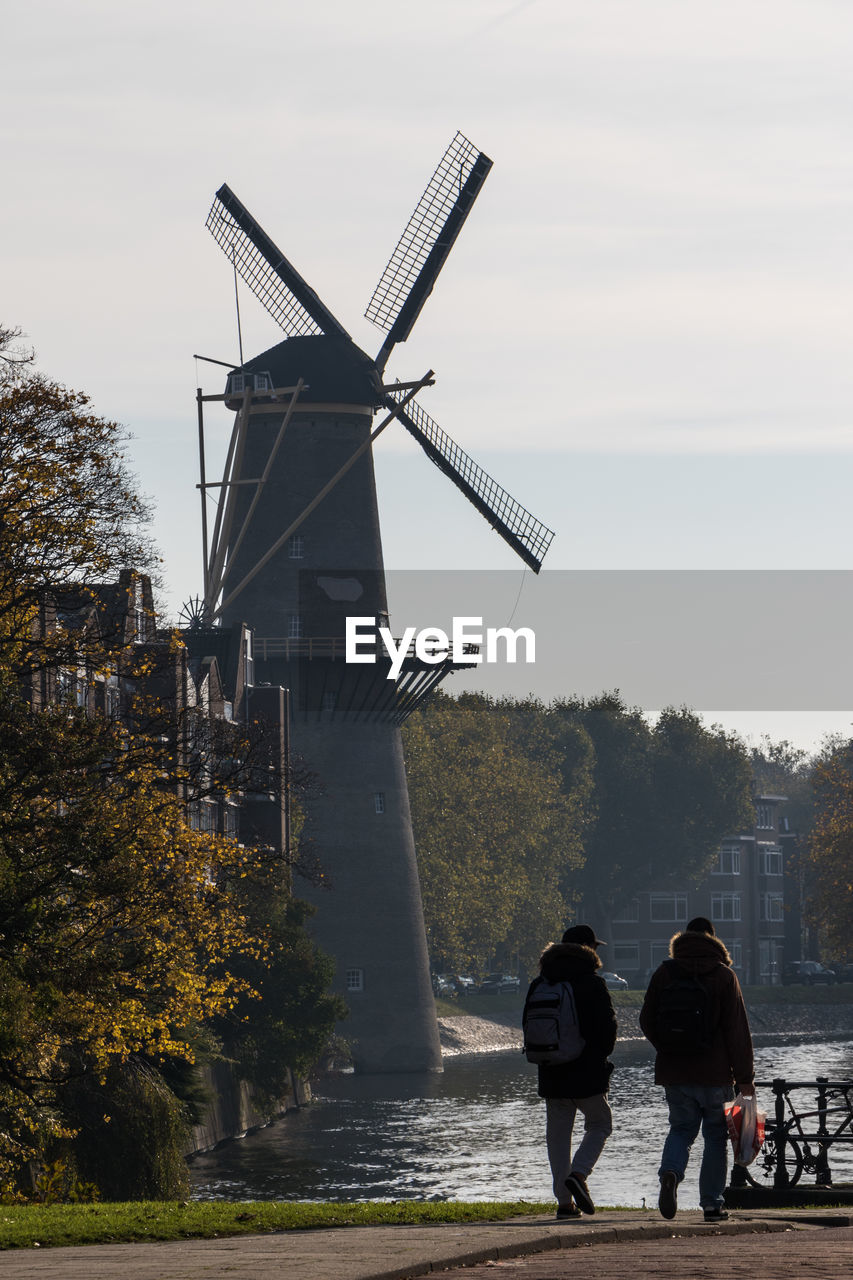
<point x="464" y="1033"/>
<point x="232" y="1111"/>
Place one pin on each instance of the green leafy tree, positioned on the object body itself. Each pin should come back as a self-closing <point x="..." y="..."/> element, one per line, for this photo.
<point x="831" y="851"/>
<point x="664" y="797"/>
<point x="493" y="829"/>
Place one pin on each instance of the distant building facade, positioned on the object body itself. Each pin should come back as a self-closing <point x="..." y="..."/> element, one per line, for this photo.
<point x="751" y="895"/>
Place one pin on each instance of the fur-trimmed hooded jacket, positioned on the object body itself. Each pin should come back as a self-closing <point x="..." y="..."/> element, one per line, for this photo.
<point x="730" y="1058"/>
<point x="590" y="1073"/>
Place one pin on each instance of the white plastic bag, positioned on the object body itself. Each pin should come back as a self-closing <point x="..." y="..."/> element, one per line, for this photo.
<point x="745" y="1124"/>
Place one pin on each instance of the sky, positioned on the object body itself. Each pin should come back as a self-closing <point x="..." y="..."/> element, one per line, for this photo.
<point x="643" y="330"/>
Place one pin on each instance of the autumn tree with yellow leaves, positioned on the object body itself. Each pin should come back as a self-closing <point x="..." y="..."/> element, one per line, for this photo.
<point x="126" y="937"/>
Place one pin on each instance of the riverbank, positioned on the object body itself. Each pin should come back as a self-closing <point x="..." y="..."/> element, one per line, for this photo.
<point x="463" y="1033"/>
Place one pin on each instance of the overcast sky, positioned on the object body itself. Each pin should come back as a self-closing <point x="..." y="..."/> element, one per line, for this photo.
<point x="643" y="331"/>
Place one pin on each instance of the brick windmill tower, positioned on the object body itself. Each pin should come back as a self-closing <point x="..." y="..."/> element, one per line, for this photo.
<point x="295" y="549"/>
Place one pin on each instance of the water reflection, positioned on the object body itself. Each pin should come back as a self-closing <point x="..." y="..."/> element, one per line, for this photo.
<point x="475" y="1132"/>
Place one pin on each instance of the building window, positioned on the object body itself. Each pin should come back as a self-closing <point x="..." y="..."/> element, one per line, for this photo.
<point x="629" y="914"/>
<point x="729" y="861"/>
<point x="296" y="547"/>
<point x="355" y="979"/>
<point x="735" y="950"/>
<point x="294" y="627"/>
<point x="207" y="818"/>
<point x="249" y="657"/>
<point x="626" y="955"/>
<point x="770" y="951"/>
<point x="659" y="952"/>
<point x="66" y="686"/>
<point x="764" y="816"/>
<point x="725" y="906"/>
<point x="769" y="861"/>
<point x="379" y="801"/>
<point x="667" y="908"/>
<point x="111" y="699"/>
<point x="772" y="906"/>
<point x="329" y="700"/>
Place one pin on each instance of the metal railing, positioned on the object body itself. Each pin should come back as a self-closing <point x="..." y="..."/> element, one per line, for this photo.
<point x="798" y="1141"/>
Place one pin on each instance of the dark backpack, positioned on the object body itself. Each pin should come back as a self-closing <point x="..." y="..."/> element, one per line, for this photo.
<point x="684" y="1022"/>
<point x="550" y="1024"/>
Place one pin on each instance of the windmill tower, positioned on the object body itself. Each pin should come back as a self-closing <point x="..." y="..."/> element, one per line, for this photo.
<point x="295" y="549"/>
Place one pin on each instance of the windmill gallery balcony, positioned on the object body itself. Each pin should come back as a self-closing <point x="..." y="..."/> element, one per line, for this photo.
<point x="323" y="681"/>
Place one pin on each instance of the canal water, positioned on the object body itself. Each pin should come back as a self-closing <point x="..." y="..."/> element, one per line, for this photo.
<point x="475" y="1132"/>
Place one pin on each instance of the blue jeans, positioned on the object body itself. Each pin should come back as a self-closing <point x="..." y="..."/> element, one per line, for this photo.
<point x="692" y="1105"/>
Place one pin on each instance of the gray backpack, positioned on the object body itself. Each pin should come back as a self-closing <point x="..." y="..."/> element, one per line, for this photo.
<point x="550" y="1024"/>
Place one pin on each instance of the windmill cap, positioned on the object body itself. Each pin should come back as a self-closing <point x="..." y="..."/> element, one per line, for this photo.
<point x="583" y="935"/>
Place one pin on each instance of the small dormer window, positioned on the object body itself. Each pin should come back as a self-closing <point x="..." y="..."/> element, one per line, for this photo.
<point x="296" y="547"/>
<point x="259" y="382"/>
<point x="294" y="627"/>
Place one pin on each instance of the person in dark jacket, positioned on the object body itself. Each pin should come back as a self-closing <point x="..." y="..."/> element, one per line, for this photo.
<point x="698" y="1085"/>
<point x="581" y="1085"/>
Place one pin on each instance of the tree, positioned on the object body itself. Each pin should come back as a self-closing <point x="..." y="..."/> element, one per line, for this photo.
<point x="831" y="850"/>
<point x="664" y="797"/>
<point x="494" y="832"/>
<point x="124" y="933"/>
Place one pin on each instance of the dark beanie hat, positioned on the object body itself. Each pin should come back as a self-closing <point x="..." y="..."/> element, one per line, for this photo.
<point x="701" y="925"/>
<point x="583" y="935"/>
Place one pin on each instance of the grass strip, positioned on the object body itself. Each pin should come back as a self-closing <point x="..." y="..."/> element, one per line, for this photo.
<point x="47" y="1226"/>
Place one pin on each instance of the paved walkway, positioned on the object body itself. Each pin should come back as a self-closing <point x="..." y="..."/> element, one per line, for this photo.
<point x="764" y="1245"/>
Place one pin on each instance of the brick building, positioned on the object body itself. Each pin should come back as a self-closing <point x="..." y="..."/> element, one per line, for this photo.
<point x="750" y="895"/>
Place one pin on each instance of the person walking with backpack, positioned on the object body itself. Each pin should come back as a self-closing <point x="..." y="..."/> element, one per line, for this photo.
<point x="695" y="1017"/>
<point x="583" y="1023"/>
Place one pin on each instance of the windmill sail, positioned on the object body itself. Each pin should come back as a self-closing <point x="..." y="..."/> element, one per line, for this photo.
<point x="413" y="268"/>
<point x="529" y="537"/>
<point x="288" y="298"/>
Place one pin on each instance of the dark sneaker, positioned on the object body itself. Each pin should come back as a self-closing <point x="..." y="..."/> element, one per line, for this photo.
<point x="717" y="1214"/>
<point x="576" y="1183"/>
<point x="668" y="1198"/>
<point x="568" y="1211"/>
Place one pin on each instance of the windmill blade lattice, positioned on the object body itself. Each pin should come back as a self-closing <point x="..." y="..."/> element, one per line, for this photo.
<point x="529" y="537"/>
<point x="407" y="280"/>
<point x="276" y="283"/>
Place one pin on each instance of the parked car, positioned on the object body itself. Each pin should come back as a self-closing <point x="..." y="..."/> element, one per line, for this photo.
<point x="495" y="983"/>
<point x="844" y="973"/>
<point x="614" y="982"/>
<point x="442" y="986"/>
<point x="809" y="972"/>
<point x="465" y="986"/>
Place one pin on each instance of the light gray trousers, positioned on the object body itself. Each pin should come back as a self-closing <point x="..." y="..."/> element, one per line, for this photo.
<point x="559" y="1123"/>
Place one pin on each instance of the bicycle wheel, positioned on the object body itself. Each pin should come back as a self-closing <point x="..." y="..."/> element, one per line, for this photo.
<point x="762" y="1171"/>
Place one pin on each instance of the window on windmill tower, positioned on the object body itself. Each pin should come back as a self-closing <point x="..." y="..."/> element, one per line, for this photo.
<point x="294" y="626"/>
<point x="379" y="801"/>
<point x="355" y="979"/>
<point x="296" y="547"/>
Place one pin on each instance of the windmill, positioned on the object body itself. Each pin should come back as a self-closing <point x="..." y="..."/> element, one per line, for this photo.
<point x="296" y="547"/>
